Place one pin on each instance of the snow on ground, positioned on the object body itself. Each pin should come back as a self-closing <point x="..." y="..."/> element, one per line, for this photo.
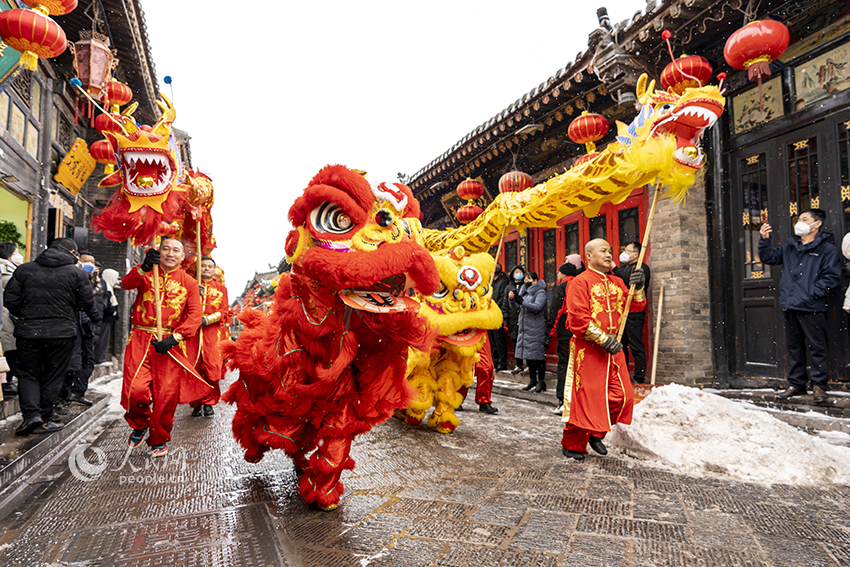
<point x="110" y="384"/>
<point x="694" y="432"/>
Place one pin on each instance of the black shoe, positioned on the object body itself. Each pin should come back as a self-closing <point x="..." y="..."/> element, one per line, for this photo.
<point x="517" y="370"/>
<point x="487" y="408"/>
<point x="572" y="454"/>
<point x="28" y="425"/>
<point x="60" y="409"/>
<point x="49" y="427"/>
<point x="79" y="400"/>
<point x="198" y="411"/>
<point x="541" y="387"/>
<point x="52" y="416"/>
<point x="531" y="385"/>
<point x="459" y="408"/>
<point x="10" y="390"/>
<point x="791" y="391"/>
<point x="208" y="411"/>
<point x="597" y="445"/>
<point x="819" y="395"/>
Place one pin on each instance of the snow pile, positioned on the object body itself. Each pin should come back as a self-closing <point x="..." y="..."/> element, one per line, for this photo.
<point x="110" y="384"/>
<point x="696" y="432"/>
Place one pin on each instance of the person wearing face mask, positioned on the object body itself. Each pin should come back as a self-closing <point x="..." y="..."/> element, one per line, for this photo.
<point x="531" y="329"/>
<point x="633" y="333"/>
<point x="10" y="259"/>
<point x="510" y="311"/>
<point x="810" y="270"/>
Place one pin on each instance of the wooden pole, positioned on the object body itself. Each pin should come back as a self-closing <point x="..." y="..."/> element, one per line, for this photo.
<point x="158" y="299"/>
<point x="624" y="315"/>
<point x="198" y="251"/>
<point x="657" y="333"/>
<point x="498" y="253"/>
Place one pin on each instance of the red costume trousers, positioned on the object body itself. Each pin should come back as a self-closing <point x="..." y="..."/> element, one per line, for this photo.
<point x="576" y="438"/>
<point x="150" y="377"/>
<point x="484" y="372"/>
<point x="211" y="399"/>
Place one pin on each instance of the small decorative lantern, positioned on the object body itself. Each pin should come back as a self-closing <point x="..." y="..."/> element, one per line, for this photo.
<point x="680" y="74"/>
<point x="754" y="47"/>
<point x="116" y="94"/>
<point x="515" y="181"/>
<point x="93" y="61"/>
<point x="468" y="213"/>
<point x="470" y="190"/>
<point x="102" y="152"/>
<point x="588" y="129"/>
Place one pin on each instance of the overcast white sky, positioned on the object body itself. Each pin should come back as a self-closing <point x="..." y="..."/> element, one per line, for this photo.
<point x="271" y="92"/>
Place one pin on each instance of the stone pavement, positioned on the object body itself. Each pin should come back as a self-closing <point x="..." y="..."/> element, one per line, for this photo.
<point x="496" y="492"/>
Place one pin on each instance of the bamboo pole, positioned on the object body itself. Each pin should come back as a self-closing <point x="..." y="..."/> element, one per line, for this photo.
<point x="657" y="333"/>
<point x="624" y="315"/>
<point x="157" y="298"/>
<point x="198" y="250"/>
<point x="498" y="252"/>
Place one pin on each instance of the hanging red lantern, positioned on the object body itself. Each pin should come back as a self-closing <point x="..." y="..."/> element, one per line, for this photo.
<point x="102" y="152"/>
<point x="755" y="46"/>
<point x="515" y="181"/>
<point x="104" y="123"/>
<point x="470" y="189"/>
<point x="116" y="94"/>
<point x="33" y="34"/>
<point x="468" y="213"/>
<point x="588" y="129"/>
<point x="680" y="74"/>
<point x="52" y="7"/>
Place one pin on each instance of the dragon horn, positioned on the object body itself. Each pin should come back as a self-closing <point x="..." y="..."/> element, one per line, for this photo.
<point x="130" y="109"/>
<point x="642" y="90"/>
<point x="163" y="125"/>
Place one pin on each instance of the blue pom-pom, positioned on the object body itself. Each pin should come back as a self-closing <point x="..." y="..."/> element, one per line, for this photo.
<point x="76" y="82"/>
<point x="167" y="79"/>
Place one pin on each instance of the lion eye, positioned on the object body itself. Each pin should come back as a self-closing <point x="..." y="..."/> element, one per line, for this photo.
<point x="665" y="108"/>
<point x="442" y="292"/>
<point x="329" y="217"/>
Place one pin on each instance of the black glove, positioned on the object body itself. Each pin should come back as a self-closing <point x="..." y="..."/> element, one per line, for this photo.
<point x="201" y="289"/>
<point x="612" y="345"/>
<point x="168" y="343"/>
<point x="205" y="321"/>
<point x="151" y="260"/>
<point x="637" y="279"/>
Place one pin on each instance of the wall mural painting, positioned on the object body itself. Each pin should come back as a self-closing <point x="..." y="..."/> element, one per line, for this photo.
<point x="746" y="114"/>
<point x="823" y="76"/>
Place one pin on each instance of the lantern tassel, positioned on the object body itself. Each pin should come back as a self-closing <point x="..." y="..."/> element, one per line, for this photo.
<point x="29" y="60"/>
<point x="758" y="69"/>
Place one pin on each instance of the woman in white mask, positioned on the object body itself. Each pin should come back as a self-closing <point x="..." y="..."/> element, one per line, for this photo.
<point x="10" y="259"/>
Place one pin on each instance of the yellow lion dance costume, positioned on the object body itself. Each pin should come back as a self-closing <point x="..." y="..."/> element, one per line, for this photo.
<point x="462" y="310"/>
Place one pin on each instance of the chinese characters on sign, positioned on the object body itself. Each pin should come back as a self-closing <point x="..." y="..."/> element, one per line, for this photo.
<point x="76" y="167"/>
<point x="58" y="202"/>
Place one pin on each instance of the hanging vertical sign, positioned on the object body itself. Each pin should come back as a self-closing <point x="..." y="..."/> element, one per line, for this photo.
<point x="75" y="167"/>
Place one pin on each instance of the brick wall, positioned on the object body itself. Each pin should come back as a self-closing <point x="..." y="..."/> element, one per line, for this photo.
<point x="680" y="263"/>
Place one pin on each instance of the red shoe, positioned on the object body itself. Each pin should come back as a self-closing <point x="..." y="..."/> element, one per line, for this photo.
<point x="136" y="437"/>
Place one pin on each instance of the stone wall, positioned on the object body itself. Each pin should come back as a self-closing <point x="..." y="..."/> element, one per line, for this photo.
<point x="679" y="261"/>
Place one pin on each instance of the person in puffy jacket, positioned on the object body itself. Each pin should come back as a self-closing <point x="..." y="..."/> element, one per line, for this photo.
<point x="44" y="297"/>
<point x="810" y="270"/>
<point x="510" y="311"/>
<point x="531" y="329"/>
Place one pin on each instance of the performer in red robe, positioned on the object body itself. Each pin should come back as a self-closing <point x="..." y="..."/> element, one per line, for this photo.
<point x="203" y="347"/>
<point x="597" y="392"/>
<point x="158" y="371"/>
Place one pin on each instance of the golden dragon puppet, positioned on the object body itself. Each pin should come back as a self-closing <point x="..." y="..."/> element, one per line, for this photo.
<point x="662" y="145"/>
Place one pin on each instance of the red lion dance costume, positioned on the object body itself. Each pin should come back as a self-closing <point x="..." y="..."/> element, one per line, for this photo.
<point x="329" y="361"/>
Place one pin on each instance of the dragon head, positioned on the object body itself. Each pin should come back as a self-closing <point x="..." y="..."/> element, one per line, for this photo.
<point x="462" y="308"/>
<point x="361" y="240"/>
<point x="685" y="117"/>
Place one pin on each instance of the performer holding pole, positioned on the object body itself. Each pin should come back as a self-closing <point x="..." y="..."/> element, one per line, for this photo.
<point x="597" y="389"/>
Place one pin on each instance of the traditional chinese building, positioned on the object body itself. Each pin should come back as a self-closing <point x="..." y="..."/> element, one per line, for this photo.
<point x="721" y="323"/>
<point x="40" y="121"/>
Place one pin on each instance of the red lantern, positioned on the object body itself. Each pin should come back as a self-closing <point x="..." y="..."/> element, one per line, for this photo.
<point x="468" y="213"/>
<point x="52" y="7"/>
<point x="588" y="129"/>
<point x="103" y="123"/>
<point x="515" y="181"/>
<point x="102" y="152"/>
<point x="33" y="34"/>
<point x="755" y="46"/>
<point x="117" y="94"/>
<point x="680" y="74"/>
<point x="470" y="189"/>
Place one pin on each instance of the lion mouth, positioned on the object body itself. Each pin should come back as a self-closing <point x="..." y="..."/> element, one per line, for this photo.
<point x="147" y="173"/>
<point x="688" y="123"/>
<point x="385" y="296"/>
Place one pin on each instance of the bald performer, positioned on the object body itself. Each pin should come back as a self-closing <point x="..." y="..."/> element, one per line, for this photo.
<point x="156" y="371"/>
<point x="597" y="391"/>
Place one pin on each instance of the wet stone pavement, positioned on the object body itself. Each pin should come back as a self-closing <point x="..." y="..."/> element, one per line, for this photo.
<point x="497" y="492"/>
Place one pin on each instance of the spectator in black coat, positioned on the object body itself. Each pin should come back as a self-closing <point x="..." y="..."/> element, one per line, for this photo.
<point x="44" y="297"/>
<point x="498" y="340"/>
<point x="558" y="315"/>
<point x="82" y="362"/>
<point x="811" y="269"/>
<point x="633" y="333"/>
<point x="510" y="310"/>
